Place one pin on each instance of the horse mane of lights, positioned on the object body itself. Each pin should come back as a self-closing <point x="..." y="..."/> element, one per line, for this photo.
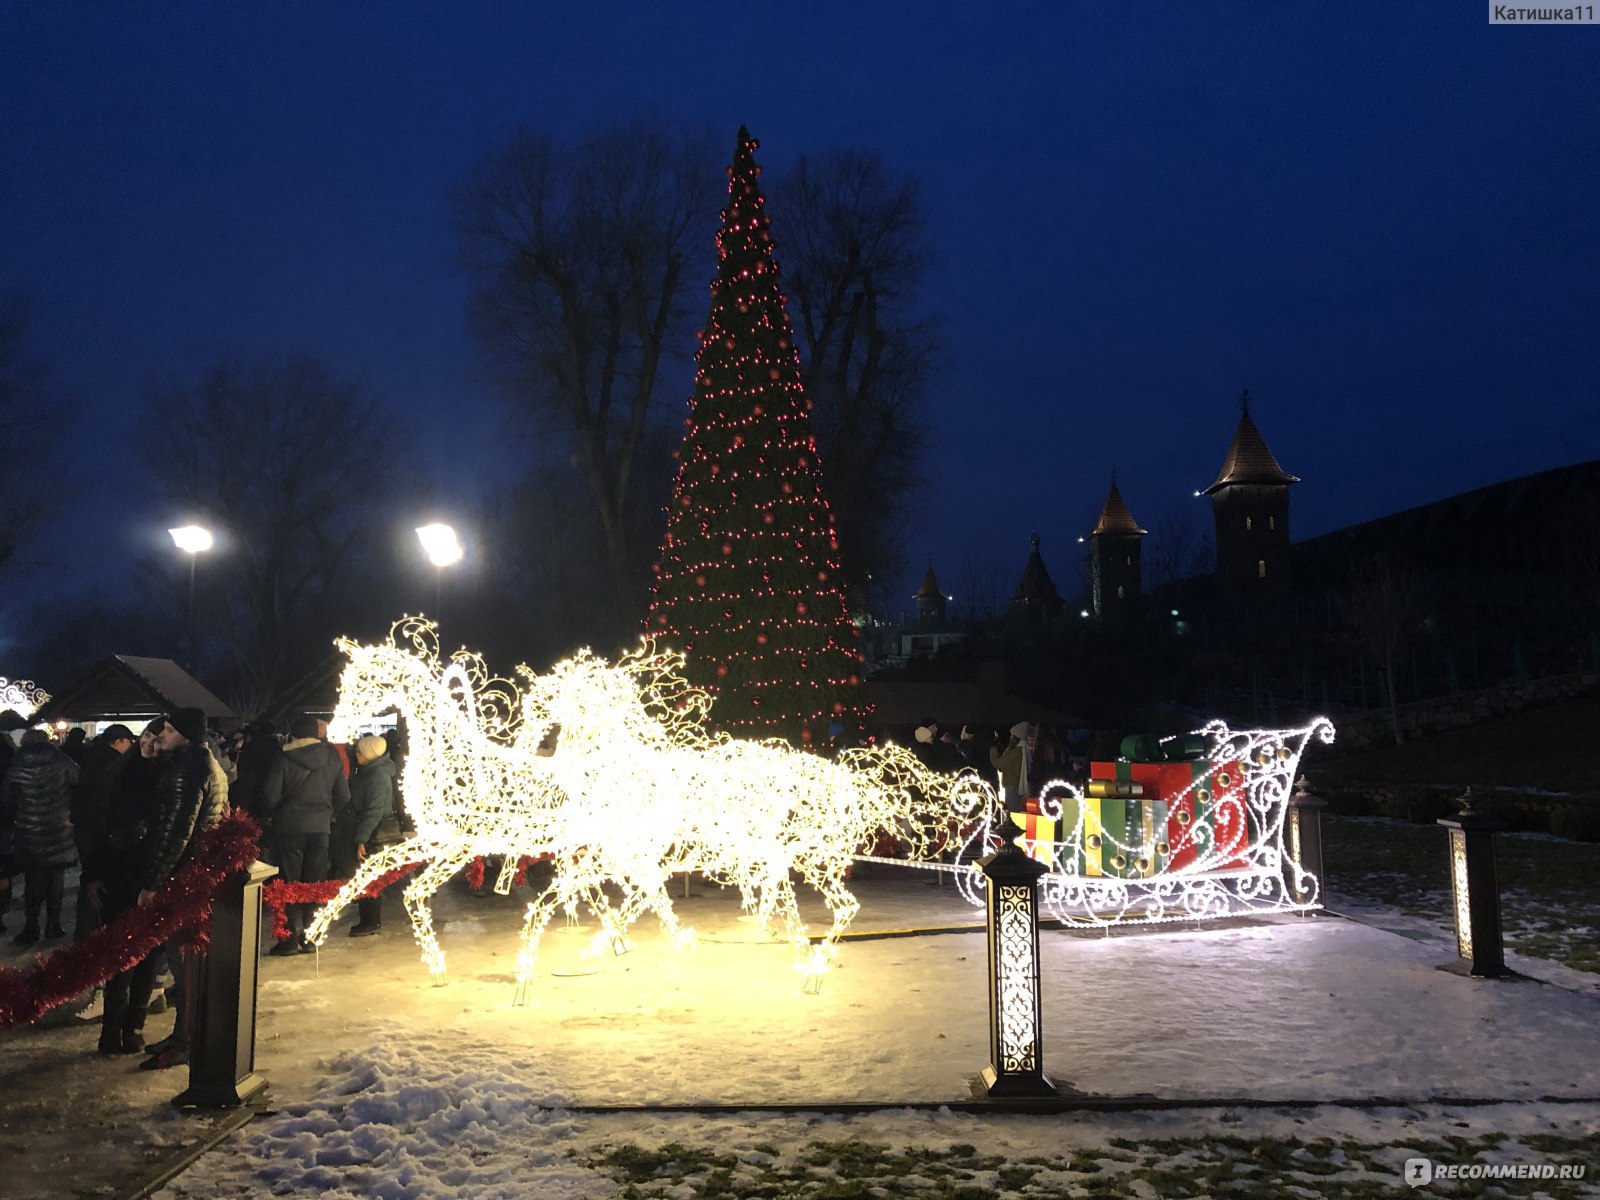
<point x="22" y="696"/>
<point x="614" y="773"/>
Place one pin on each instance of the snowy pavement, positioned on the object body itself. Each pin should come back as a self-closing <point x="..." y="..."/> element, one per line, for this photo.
<point x="366" y="1058"/>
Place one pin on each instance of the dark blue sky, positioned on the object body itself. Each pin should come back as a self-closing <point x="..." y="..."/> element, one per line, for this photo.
<point x="1382" y="218"/>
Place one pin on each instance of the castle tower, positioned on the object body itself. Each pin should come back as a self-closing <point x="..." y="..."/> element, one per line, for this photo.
<point x="1036" y="594"/>
<point x="1114" y="562"/>
<point x="930" y="599"/>
<point x="1250" y="506"/>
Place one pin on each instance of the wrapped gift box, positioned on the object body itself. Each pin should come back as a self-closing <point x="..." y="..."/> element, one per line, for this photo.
<point x="1039" y="836"/>
<point x="1125" y="821"/>
<point x="1181" y="812"/>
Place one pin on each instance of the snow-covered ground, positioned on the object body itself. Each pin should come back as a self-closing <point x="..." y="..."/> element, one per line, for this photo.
<point x="385" y="1085"/>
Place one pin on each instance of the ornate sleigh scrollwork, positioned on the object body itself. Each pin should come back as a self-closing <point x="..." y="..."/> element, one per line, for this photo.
<point x="1229" y="841"/>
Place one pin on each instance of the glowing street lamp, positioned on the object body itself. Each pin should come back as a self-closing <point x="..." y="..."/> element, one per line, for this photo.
<point x="193" y="540"/>
<point x="443" y="548"/>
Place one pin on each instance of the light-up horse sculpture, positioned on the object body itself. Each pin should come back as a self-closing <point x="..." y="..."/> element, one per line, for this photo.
<point x="467" y="793"/>
<point x="613" y="773"/>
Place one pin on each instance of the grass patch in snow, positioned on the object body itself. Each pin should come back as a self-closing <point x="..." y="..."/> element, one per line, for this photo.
<point x="1124" y="1169"/>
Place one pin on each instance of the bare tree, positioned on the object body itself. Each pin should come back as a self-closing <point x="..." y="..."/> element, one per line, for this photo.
<point x="1385" y="603"/>
<point x="1179" y="548"/>
<point x="983" y="588"/>
<point x="290" y="463"/>
<point x="27" y="434"/>
<point x="851" y="239"/>
<point x="583" y="258"/>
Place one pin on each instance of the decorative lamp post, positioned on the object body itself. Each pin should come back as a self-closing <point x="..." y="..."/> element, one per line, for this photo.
<point x="193" y="540"/>
<point x="1476" y="890"/>
<point x="443" y="548"/>
<point x="1302" y="861"/>
<point x="1016" y="1044"/>
<point x="222" y="1041"/>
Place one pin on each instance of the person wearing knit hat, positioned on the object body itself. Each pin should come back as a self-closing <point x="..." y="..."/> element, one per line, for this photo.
<point x="191" y="796"/>
<point x="1015" y="765"/>
<point x="373" y="822"/>
<point x="190" y="722"/>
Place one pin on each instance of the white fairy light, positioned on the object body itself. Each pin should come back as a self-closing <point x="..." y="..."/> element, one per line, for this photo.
<point x="613" y="772"/>
<point x="22" y="696"/>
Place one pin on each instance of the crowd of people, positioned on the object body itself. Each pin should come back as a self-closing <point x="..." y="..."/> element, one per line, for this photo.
<point x="128" y="811"/>
<point x="1024" y="758"/>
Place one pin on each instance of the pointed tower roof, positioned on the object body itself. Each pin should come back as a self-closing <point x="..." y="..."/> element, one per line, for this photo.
<point x="930" y="586"/>
<point x="1035" y="586"/>
<point x="1115" y="517"/>
<point x="1248" y="460"/>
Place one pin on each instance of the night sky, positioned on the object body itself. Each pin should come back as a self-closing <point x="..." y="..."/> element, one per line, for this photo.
<point x="1384" y="219"/>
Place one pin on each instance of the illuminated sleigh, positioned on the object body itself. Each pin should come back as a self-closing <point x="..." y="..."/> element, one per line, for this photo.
<point x="1193" y="834"/>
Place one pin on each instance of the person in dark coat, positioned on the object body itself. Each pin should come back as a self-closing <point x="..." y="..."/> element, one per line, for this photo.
<point x="98" y="767"/>
<point x="304" y="790"/>
<point x="111" y="867"/>
<point x="372" y="823"/>
<point x="260" y="750"/>
<point x="38" y="795"/>
<point x="191" y="797"/>
<point x="72" y="745"/>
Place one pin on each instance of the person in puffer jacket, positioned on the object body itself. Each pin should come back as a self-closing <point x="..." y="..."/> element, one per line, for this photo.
<point x="191" y="797"/>
<point x="38" y="798"/>
<point x="305" y="793"/>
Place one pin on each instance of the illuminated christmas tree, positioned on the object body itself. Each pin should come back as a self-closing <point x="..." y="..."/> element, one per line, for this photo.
<point x="748" y="582"/>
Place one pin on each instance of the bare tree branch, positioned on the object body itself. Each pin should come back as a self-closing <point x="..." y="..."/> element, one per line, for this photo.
<point x="852" y="243"/>
<point x="578" y="253"/>
<point x="290" y="463"/>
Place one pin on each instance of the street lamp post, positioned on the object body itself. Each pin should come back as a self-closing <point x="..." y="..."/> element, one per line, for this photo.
<point x="192" y="540"/>
<point x="440" y="544"/>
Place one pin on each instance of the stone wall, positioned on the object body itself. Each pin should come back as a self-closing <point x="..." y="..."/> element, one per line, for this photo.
<point x="1366" y="730"/>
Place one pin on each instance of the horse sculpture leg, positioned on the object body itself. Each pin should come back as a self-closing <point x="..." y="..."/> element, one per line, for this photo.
<point x="507" y="876"/>
<point x="419" y="896"/>
<point x="533" y="927"/>
<point x="372" y="868"/>
<point x="844" y="906"/>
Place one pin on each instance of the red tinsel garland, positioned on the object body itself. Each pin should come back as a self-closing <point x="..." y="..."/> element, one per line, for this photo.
<point x="183" y="903"/>
<point x="279" y="894"/>
<point x="475" y="871"/>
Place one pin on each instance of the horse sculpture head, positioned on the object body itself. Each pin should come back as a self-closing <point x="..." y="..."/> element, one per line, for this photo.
<point x="642" y="700"/>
